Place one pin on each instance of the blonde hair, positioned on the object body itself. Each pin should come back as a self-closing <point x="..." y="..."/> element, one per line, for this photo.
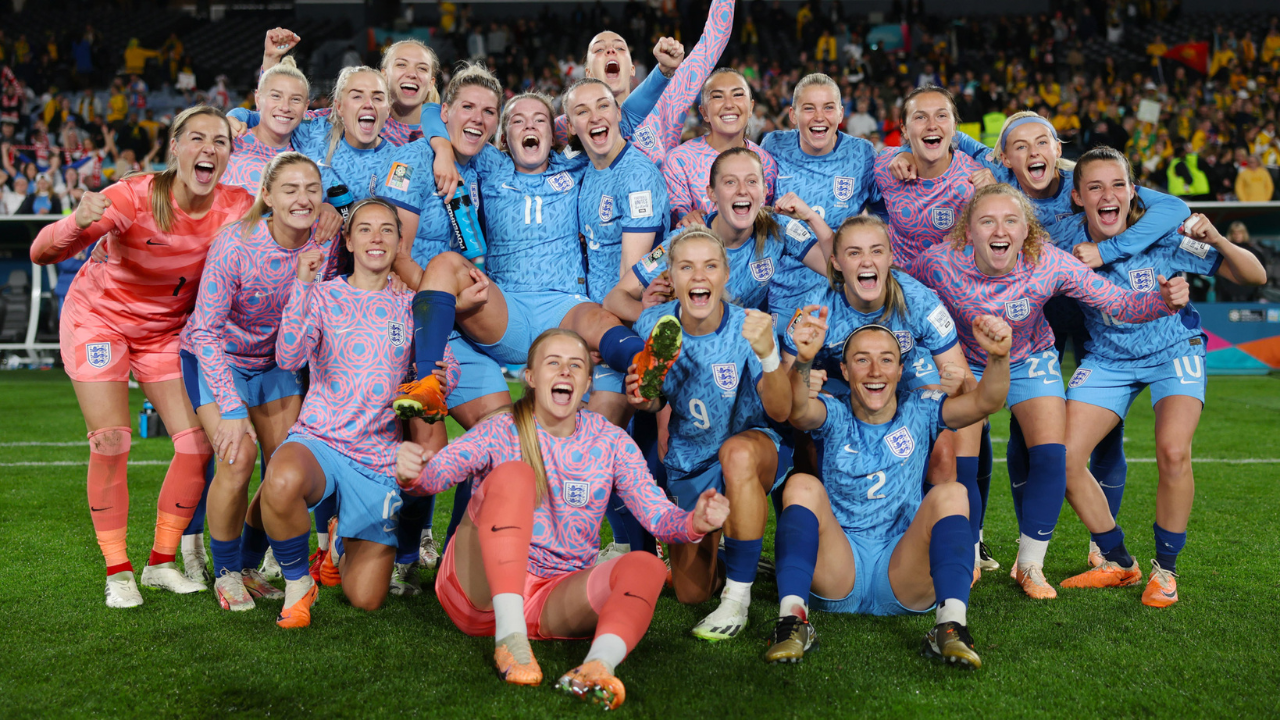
<point x="813" y="80"/>
<point x="509" y="107"/>
<point x="1036" y="235"/>
<point x="701" y="232"/>
<point x="433" y="95"/>
<point x="765" y="225"/>
<point x="895" y="302"/>
<point x="340" y="89"/>
<point x="1062" y="165"/>
<point x="161" y="195"/>
<point x="269" y="175"/>
<point x="287" y="67"/>
<point x="468" y="74"/>
<point x="526" y="422"/>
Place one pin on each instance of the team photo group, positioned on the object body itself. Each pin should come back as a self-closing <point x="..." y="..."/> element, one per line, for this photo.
<point x="707" y="335"/>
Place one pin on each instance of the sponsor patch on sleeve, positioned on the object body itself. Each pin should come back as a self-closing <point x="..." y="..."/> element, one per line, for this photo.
<point x="941" y="321"/>
<point x="398" y="177"/>
<point x="1195" y="247"/>
<point x="641" y="204"/>
<point x="797" y="231"/>
<point x="651" y="261"/>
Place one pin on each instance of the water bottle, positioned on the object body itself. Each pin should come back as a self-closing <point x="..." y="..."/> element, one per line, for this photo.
<point x="341" y="199"/>
<point x="149" y="424"/>
<point x="466" y="226"/>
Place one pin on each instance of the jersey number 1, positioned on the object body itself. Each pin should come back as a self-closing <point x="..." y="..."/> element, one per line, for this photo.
<point x="532" y="210"/>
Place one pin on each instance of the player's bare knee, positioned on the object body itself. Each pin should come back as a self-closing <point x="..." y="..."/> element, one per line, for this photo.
<point x="806" y="490"/>
<point x="448" y="269"/>
<point x="1172" y="456"/>
<point x="738" y="457"/>
<point x="949" y="499"/>
<point x="366" y="600"/>
<point x="108" y="442"/>
<point x="283" y="483"/>
<point x="691" y="593"/>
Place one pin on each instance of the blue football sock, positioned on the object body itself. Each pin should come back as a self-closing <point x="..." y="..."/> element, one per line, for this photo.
<point x="226" y="556"/>
<point x="1111" y="545"/>
<point x="741" y="557"/>
<point x="967" y="475"/>
<point x="1110" y="468"/>
<point x="433" y="315"/>
<point x="951" y="559"/>
<point x="325" y="511"/>
<point x="413" y="517"/>
<point x="196" y="526"/>
<point x="796" y="548"/>
<point x="461" y="498"/>
<point x="985" y="462"/>
<point x="1042" y="501"/>
<point x="253" y="545"/>
<point x="292" y="555"/>
<point x="1168" y="545"/>
<point x="1018" y="465"/>
<point x="619" y="346"/>
<point x="617" y="523"/>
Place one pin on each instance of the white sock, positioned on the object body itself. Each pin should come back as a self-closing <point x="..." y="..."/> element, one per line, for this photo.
<point x="734" y="590"/>
<point x="190" y="543"/>
<point x="952" y="610"/>
<point x="508" y="615"/>
<point x="977" y="555"/>
<point x="322" y="540"/>
<point x="622" y="547"/>
<point x="426" y="535"/>
<point x="787" y="606"/>
<point x="980" y="531"/>
<point x="295" y="589"/>
<point x="609" y="649"/>
<point x="1031" y="551"/>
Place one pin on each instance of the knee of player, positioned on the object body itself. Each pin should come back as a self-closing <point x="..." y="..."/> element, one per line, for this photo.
<point x="283" y="482"/>
<point x="1173" y="454"/>
<point x="806" y="490"/>
<point x="949" y="499"/>
<point x="739" y="458"/>
<point x="367" y="601"/>
<point x="241" y="470"/>
<point x="688" y="593"/>
<point x="449" y="264"/>
<point x="641" y="564"/>
<point x="109" y="442"/>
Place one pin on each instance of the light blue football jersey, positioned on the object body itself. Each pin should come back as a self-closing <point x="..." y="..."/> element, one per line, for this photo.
<point x="711" y="388"/>
<point x="406" y="181"/>
<point x="873" y="473"/>
<point x="629" y="196"/>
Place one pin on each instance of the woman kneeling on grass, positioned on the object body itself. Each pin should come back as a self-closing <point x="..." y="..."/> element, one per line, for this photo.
<point x="522" y="563"/>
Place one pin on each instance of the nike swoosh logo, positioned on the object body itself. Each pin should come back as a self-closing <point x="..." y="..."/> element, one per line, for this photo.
<point x="849" y="448"/>
<point x="1171" y="595"/>
<point x="153" y="242"/>
<point x="1019" y="484"/>
<point x="628" y="593"/>
<point x="1109" y="486"/>
<point x="186" y="507"/>
<point x="388" y="529"/>
<point x="785" y="177"/>
<point x="504" y="527"/>
<point x="508" y="187"/>
<point x="94" y="509"/>
<point x="1041" y="532"/>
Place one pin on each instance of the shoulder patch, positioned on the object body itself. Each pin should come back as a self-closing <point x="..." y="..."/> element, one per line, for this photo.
<point x="1195" y="247"/>
<point x="561" y="182"/>
<point x="641" y="204"/>
<point x="933" y="395"/>
<point x="941" y="321"/>
<point x="797" y="231"/>
<point x="650" y="262"/>
<point x="398" y="177"/>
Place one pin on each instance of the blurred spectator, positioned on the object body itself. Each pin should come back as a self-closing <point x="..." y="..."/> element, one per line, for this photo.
<point x="41" y="201"/>
<point x="1254" y="183"/>
<point x="12" y="196"/>
<point x="1186" y="179"/>
<point x="1228" y="291"/>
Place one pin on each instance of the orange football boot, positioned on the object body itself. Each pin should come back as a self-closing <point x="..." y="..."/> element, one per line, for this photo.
<point x="1033" y="582"/>
<point x="298" y="615"/>
<point x="1108" y="574"/>
<point x="1162" y="588"/>
<point x="515" y="661"/>
<point x="422" y="398"/>
<point x="593" y="683"/>
<point x="329" y="575"/>
<point x="660" y="352"/>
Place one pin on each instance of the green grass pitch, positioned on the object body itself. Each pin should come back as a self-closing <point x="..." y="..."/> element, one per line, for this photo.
<point x="1090" y="653"/>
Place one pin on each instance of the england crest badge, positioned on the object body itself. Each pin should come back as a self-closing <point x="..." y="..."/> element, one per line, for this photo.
<point x="843" y="188"/>
<point x="576" y="493"/>
<point x="725" y="375"/>
<point x="1143" y="280"/>
<point x="395" y="334"/>
<point x="1017" y="310"/>
<point x="900" y="442"/>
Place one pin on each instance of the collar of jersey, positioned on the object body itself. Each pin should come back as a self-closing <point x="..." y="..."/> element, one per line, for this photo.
<point x="724" y="320"/>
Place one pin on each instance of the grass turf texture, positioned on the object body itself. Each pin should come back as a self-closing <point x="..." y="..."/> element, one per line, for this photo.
<point x="1089" y="653"/>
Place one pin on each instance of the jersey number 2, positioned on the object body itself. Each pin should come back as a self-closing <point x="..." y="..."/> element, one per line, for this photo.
<point x="873" y="491"/>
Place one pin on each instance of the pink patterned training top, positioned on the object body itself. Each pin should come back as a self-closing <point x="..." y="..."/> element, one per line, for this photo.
<point x="359" y="346"/>
<point x="660" y="131"/>
<point x="582" y="471"/>
<point x="243" y="291"/>
<point x="1019" y="296"/>
<point x="921" y="213"/>
<point x="249" y="157"/>
<point x="687" y="171"/>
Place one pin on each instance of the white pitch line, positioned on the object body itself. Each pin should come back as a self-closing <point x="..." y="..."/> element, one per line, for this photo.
<point x="60" y="463"/>
<point x="44" y="444"/>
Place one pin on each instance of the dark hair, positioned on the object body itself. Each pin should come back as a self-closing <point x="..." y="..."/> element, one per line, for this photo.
<point x="1137" y="208"/>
